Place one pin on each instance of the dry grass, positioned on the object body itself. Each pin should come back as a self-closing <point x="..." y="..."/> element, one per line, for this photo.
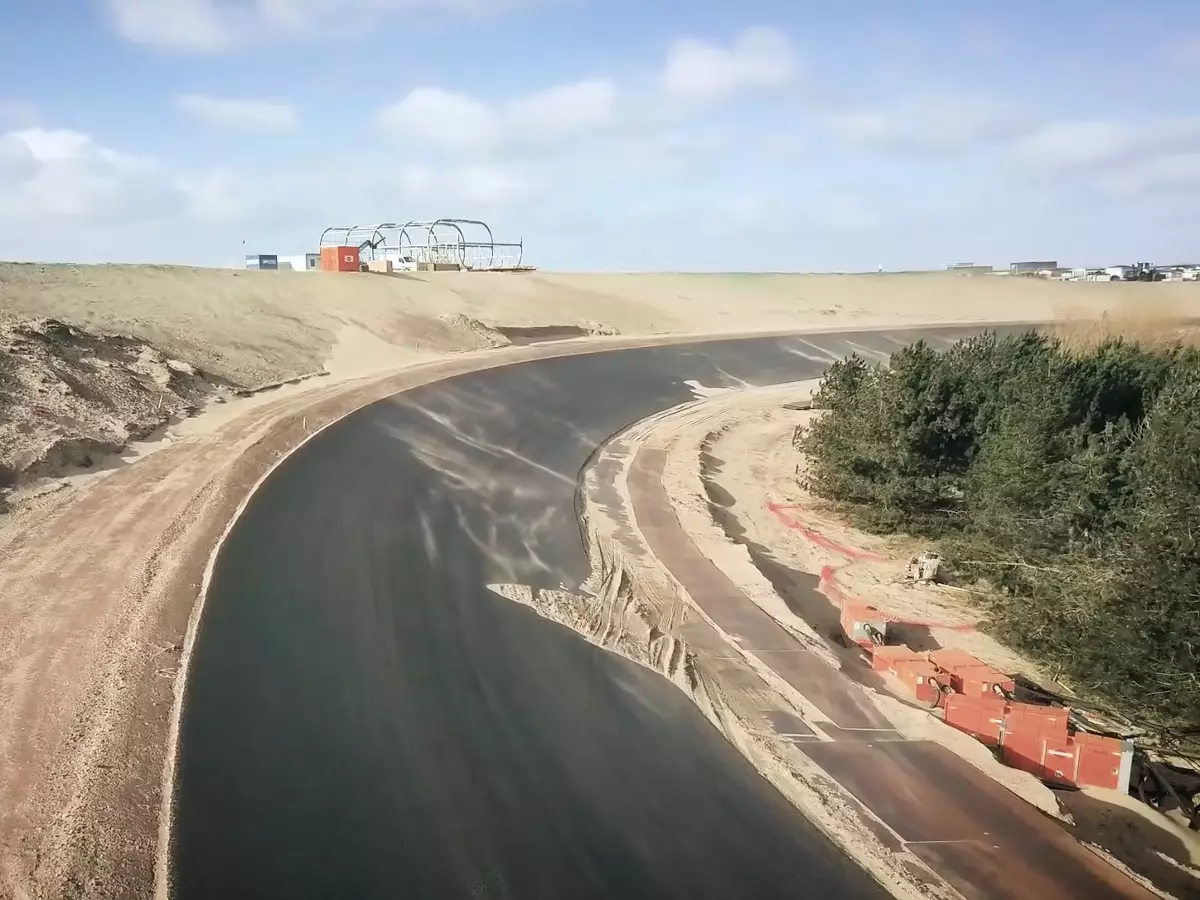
<point x="1151" y="322"/>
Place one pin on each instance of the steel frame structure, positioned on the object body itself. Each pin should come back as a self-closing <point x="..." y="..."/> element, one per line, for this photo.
<point x="434" y="241"/>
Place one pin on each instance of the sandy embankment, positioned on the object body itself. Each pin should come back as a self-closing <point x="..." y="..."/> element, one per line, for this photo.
<point x="730" y="471"/>
<point x="235" y="331"/>
<point x="99" y="573"/>
<point x="749" y="471"/>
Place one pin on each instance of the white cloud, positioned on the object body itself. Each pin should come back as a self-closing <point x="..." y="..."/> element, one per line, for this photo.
<point x="698" y="70"/>
<point x="564" y="110"/>
<point x="60" y="175"/>
<point x="1090" y="145"/>
<point x="660" y="153"/>
<point x="215" y="196"/>
<point x="65" y="174"/>
<point x="490" y="185"/>
<point x="930" y="125"/>
<point x="214" y="26"/>
<point x="443" y="118"/>
<point x="477" y="184"/>
<point x="187" y="25"/>
<point x="17" y="162"/>
<point x="461" y="123"/>
<point x="248" y="115"/>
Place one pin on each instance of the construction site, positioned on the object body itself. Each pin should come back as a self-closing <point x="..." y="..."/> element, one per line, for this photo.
<point x="434" y="245"/>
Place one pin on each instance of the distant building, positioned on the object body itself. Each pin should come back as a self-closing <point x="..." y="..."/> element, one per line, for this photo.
<point x="262" y="261"/>
<point x="1031" y="268"/>
<point x="968" y="269"/>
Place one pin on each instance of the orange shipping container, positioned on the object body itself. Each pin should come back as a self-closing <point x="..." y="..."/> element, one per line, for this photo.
<point x="339" y="259"/>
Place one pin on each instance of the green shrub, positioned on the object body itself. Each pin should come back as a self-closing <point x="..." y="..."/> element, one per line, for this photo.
<point x="1068" y="481"/>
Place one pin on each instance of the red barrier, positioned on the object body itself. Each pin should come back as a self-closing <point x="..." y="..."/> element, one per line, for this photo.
<point x="1035" y="739"/>
<point x="1060" y="761"/>
<point x="1102" y="761"/>
<point x="968" y="675"/>
<point x="951" y="660"/>
<point x="920" y="677"/>
<point x="979" y="681"/>
<point x="859" y="620"/>
<point x="1029" y="718"/>
<point x="883" y="657"/>
<point x="980" y="717"/>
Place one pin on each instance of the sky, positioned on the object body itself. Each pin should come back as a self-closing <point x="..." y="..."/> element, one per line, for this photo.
<point x="607" y="135"/>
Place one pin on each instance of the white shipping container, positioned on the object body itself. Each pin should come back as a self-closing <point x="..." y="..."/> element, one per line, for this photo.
<point x="301" y="262"/>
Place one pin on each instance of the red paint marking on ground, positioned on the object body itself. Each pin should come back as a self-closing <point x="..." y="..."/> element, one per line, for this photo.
<point x="815" y="537"/>
<point x="828" y="583"/>
<point x="828" y="586"/>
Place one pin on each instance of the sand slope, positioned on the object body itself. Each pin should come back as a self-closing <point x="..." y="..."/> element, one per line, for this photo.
<point x="243" y="330"/>
<point x="251" y="328"/>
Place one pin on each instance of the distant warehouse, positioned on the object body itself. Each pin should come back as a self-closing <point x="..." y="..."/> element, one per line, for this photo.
<point x="1032" y="268"/>
<point x="968" y="268"/>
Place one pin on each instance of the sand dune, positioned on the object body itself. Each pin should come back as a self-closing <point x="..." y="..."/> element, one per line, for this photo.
<point x="237" y="331"/>
<point x="251" y="328"/>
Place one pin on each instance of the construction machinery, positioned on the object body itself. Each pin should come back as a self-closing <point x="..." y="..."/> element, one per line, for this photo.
<point x="1144" y="271"/>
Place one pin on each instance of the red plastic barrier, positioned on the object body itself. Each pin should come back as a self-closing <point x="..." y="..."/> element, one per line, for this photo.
<point x="1029" y="718"/>
<point x="1101" y="762"/>
<point x="1060" y="761"/>
<point x="884" y="657"/>
<point x="920" y="677"/>
<point x="980" y="717"/>
<point x="1035" y="739"/>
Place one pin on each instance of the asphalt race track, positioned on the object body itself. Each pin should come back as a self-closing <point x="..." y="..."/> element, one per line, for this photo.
<point x="363" y="718"/>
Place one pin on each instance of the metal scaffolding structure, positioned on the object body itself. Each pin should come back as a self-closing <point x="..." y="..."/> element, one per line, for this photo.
<point x="467" y="243"/>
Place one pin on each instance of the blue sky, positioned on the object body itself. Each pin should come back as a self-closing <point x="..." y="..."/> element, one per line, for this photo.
<point x="614" y="135"/>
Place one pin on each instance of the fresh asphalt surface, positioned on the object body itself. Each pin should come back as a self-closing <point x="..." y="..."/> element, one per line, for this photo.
<point x="364" y="718"/>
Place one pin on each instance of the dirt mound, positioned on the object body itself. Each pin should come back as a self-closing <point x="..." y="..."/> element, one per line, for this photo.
<point x="479" y="334"/>
<point x="69" y="398"/>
